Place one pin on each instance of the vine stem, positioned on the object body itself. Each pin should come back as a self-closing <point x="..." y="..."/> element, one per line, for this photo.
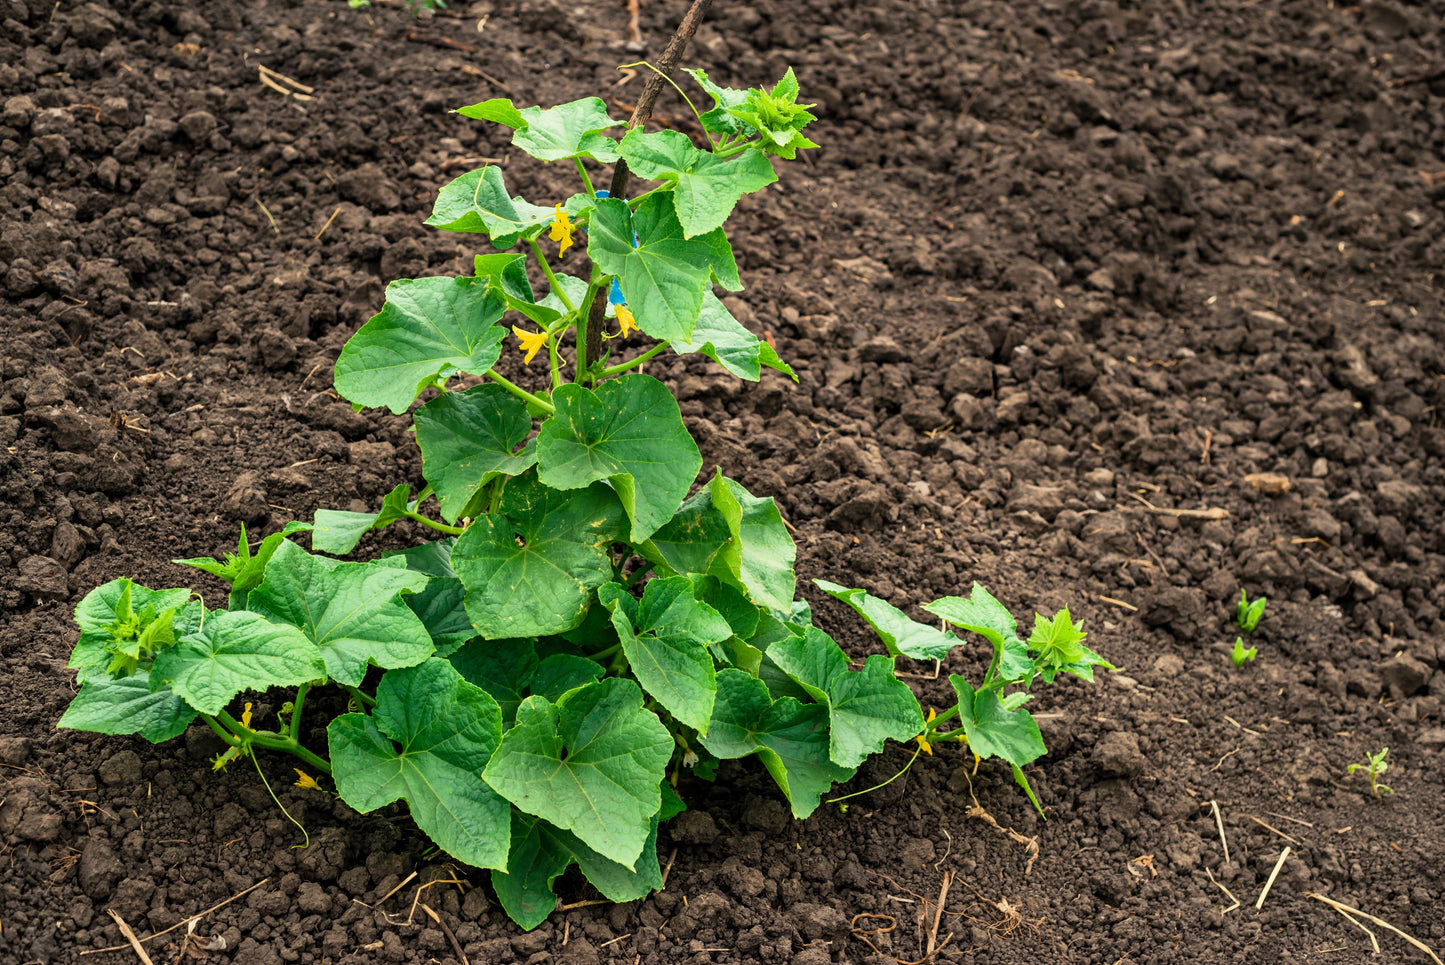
<point x="520" y="392"/>
<point x="633" y="363"/>
<point x="620" y="174"/>
<point x="866" y="790"/>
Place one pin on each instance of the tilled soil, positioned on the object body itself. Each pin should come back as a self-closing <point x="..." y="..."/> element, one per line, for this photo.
<point x="1120" y="306"/>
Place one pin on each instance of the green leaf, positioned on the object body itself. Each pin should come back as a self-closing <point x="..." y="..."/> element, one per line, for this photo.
<point x="236" y="651"/>
<point x="561" y="672"/>
<point x="557" y="133"/>
<point x="338" y="531"/>
<point x="993" y="731"/>
<point x="429" y="330"/>
<point x="469" y="438"/>
<point x="629" y="431"/>
<point x="242" y="569"/>
<point x="128" y="706"/>
<point x="664" y="275"/>
<point x="665" y="637"/>
<point x="727" y="532"/>
<point x="478" y="202"/>
<point x="720" y="120"/>
<point x="1058" y="648"/>
<point x="541" y="852"/>
<point x="113" y="617"/>
<point x="730" y="603"/>
<point x="790" y="738"/>
<point x="901" y="635"/>
<point x="707" y="187"/>
<point x="352" y="611"/>
<point x="693" y="540"/>
<point x="865" y="707"/>
<point x="503" y="668"/>
<point x="722" y="338"/>
<point x="761" y="553"/>
<point x="448" y="729"/>
<point x="984" y="615"/>
<point x="439" y="605"/>
<point x="498" y="110"/>
<point x="531" y="566"/>
<point x="507" y="272"/>
<point x="590" y="764"/>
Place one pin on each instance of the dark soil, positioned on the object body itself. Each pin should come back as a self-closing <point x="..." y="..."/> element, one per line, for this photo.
<point x="1054" y="265"/>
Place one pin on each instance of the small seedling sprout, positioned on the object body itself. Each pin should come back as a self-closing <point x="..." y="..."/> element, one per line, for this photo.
<point x="1241" y="656"/>
<point x="1248" y="612"/>
<point x="1375" y="766"/>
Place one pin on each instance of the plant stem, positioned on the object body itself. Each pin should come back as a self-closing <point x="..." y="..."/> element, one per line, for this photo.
<point x="521" y="393"/>
<point x="241" y="735"/>
<point x="947" y="715"/>
<point x="551" y="278"/>
<point x="296" y="705"/>
<point x="231" y="739"/>
<point x="439" y="527"/>
<point x="361" y="696"/>
<point x="632" y="363"/>
<point x="590" y="349"/>
<point x="835" y="800"/>
<point x="586" y="181"/>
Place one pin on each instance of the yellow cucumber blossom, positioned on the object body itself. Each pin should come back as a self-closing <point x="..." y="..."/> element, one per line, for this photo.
<point x="626" y="321"/>
<point x="306" y="781"/>
<point x="561" y="232"/>
<point x="532" y="342"/>
<point x="924" y="745"/>
<point x="246" y="716"/>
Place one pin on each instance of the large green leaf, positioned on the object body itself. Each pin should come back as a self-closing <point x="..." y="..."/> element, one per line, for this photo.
<point x="128" y="706"/>
<point x="994" y="731"/>
<point x="352" y="611"/>
<point x="236" y="651"/>
<point x="901" y="635"/>
<point x="723" y="339"/>
<point x="560" y="672"/>
<point x="478" y="202"/>
<point x="541" y="852"/>
<point x="790" y="738"/>
<point x="590" y="763"/>
<point x="982" y="614"/>
<point x="666" y="636"/>
<point x="556" y="133"/>
<point x="629" y="431"/>
<point x="469" y="438"/>
<point x="429" y="330"/>
<point x="664" y="275"/>
<point x="503" y="668"/>
<point x="707" y="187"/>
<point x="530" y="567"/>
<point x="761" y="553"/>
<point x="448" y="730"/>
<point x="727" y="532"/>
<point x="865" y="707"/>
<point x="439" y="605"/>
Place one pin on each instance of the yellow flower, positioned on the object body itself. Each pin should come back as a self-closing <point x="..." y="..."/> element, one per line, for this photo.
<point x="532" y="342"/>
<point x="307" y="782"/>
<point x="626" y="321"/>
<point x="924" y="745"/>
<point x="561" y="231"/>
<point x="246" y="716"/>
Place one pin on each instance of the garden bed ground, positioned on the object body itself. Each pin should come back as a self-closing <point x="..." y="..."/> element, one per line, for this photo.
<point x="1054" y="265"/>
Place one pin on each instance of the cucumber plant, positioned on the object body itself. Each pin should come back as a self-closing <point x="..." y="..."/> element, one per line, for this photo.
<point x="584" y="626"/>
